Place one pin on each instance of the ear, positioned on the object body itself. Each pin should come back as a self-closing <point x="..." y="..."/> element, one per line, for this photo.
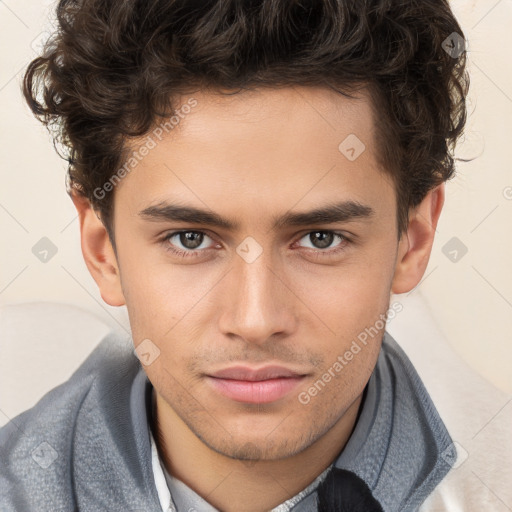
<point x="98" y="252"/>
<point x="415" y="245"/>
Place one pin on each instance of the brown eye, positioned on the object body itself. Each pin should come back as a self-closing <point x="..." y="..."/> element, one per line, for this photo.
<point x="322" y="239"/>
<point x="186" y="243"/>
<point x="191" y="239"/>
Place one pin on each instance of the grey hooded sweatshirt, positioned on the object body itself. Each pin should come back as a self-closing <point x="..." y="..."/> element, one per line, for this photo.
<point x="86" y="445"/>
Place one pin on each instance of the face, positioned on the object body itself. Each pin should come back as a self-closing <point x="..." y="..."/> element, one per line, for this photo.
<point x="266" y="286"/>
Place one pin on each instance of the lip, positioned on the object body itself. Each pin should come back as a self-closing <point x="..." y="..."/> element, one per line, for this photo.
<point x="251" y="374"/>
<point x="263" y="385"/>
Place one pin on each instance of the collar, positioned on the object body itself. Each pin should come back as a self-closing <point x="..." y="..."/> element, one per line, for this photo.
<point x="400" y="446"/>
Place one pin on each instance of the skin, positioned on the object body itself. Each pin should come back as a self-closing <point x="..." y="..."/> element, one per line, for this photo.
<point x="250" y="157"/>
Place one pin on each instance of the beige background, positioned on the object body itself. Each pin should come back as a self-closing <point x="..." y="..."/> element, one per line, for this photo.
<point x="470" y="299"/>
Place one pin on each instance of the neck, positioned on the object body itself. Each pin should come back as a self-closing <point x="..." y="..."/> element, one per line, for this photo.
<point x="232" y="485"/>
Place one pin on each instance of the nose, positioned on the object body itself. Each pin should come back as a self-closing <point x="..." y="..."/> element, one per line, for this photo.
<point x="258" y="304"/>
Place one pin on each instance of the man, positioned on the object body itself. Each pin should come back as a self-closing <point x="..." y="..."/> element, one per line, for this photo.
<point x="253" y="180"/>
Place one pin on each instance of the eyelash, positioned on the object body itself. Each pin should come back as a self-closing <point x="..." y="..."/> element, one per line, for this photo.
<point x="197" y="252"/>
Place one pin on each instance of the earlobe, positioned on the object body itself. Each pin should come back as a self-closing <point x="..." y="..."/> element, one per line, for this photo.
<point x="416" y="244"/>
<point x="98" y="252"/>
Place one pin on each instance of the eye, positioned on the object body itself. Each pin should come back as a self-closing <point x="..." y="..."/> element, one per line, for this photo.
<point x="186" y="243"/>
<point x="193" y="243"/>
<point x="323" y="240"/>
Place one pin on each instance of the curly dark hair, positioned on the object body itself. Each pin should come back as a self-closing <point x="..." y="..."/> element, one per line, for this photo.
<point x="114" y="68"/>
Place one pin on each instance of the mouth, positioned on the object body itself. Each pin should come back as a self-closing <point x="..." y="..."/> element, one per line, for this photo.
<point x="263" y="385"/>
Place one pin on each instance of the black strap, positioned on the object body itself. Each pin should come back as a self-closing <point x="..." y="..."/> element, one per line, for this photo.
<point x="344" y="491"/>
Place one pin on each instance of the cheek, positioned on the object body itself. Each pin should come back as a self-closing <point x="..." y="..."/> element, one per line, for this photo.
<point x="156" y="290"/>
<point x="344" y="299"/>
<point x="350" y="298"/>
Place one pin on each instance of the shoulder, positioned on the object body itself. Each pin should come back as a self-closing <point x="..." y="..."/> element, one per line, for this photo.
<point x="36" y="446"/>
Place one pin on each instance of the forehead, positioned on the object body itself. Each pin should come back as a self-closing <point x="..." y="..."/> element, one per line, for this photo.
<point x="291" y="113"/>
<point x="262" y="149"/>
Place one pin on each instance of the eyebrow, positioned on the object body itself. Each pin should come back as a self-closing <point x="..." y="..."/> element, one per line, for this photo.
<point x="344" y="211"/>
